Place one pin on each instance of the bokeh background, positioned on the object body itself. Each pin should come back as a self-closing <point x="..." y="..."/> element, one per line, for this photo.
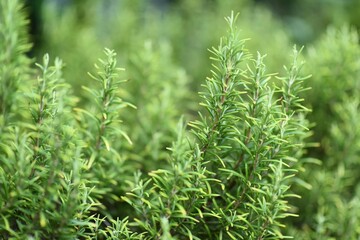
<point x="69" y="27"/>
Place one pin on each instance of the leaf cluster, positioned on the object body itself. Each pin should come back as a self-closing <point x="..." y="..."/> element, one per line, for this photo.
<point x="233" y="182"/>
<point x="66" y="166"/>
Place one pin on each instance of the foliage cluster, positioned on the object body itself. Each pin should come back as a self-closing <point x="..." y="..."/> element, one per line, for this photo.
<point x="331" y="208"/>
<point x="101" y="157"/>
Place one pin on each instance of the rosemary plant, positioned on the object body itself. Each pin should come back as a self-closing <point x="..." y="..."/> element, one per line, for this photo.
<point x="44" y="194"/>
<point x="66" y="168"/>
<point x="14" y="64"/>
<point x="330" y="209"/>
<point x="102" y="132"/>
<point x="232" y="183"/>
<point x="164" y="97"/>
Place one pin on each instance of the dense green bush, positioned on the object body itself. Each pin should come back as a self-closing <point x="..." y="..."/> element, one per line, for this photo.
<point x="330" y="210"/>
<point x="128" y="154"/>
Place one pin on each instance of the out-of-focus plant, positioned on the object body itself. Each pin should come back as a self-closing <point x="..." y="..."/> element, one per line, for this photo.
<point x="164" y="94"/>
<point x="330" y="209"/>
<point x="189" y="27"/>
<point x="14" y="64"/>
<point x="42" y="192"/>
<point x="340" y="74"/>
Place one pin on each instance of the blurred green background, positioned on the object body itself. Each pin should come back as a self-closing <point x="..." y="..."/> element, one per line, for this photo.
<point x="77" y="30"/>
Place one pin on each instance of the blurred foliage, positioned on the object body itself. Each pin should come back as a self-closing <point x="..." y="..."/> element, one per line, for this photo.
<point x="335" y="56"/>
<point x="188" y="27"/>
<point x="306" y="19"/>
<point x="330" y="208"/>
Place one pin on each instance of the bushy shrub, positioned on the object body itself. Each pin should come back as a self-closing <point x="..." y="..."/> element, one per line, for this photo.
<point x="64" y="167"/>
<point x="330" y="209"/>
<point x="128" y="154"/>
